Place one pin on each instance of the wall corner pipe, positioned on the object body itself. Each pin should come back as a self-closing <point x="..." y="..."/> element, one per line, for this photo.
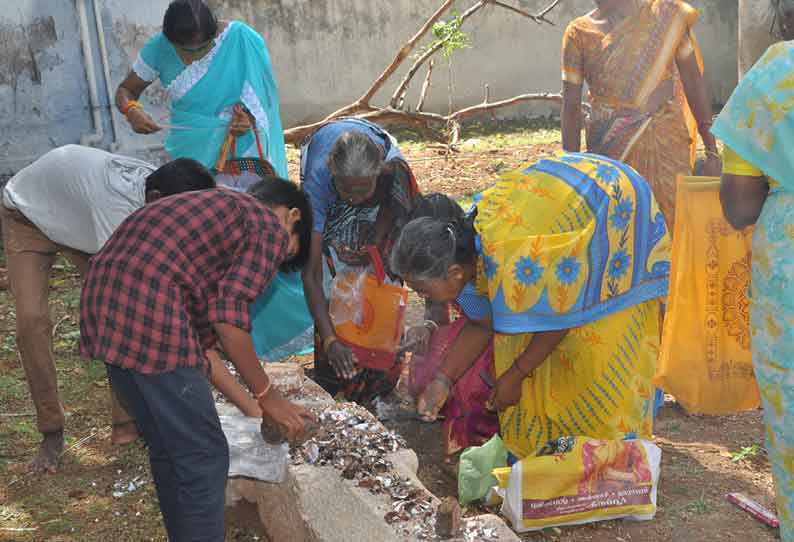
<point x="88" y="57"/>
<point x="103" y="55"/>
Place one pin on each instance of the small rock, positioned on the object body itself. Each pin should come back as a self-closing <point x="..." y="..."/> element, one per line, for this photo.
<point x="448" y="518"/>
<point x="78" y="494"/>
<point x="470" y="144"/>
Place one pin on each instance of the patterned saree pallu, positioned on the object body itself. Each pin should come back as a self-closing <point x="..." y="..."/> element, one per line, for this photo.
<point x="705" y="360"/>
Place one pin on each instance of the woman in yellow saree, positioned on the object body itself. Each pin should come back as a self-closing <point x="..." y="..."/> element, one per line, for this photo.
<point x="566" y="260"/>
<point x="649" y="99"/>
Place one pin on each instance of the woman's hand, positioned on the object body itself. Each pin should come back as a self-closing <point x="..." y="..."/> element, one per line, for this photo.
<point x="241" y="123"/>
<point x="343" y="360"/>
<point x="507" y="391"/>
<point x="712" y="167"/>
<point x="141" y="122"/>
<point x="432" y="399"/>
<point x="290" y="419"/>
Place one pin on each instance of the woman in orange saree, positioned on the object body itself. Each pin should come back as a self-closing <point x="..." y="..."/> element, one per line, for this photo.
<point x="649" y="99"/>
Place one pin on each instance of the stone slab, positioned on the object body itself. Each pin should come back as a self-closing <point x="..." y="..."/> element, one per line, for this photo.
<point x="316" y="504"/>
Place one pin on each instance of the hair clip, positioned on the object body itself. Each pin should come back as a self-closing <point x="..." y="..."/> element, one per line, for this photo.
<point x="452" y="235"/>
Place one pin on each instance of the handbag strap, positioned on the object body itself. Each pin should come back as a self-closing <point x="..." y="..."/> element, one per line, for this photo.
<point x="259" y="143"/>
<point x="226" y="148"/>
<point x="229" y="147"/>
<point x="377" y="263"/>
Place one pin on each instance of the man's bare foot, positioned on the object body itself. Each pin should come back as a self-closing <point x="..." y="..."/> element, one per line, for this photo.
<point x="124" y="433"/>
<point x="49" y="457"/>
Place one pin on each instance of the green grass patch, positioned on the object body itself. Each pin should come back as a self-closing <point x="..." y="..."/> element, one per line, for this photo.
<point x="487" y="136"/>
<point x="746" y="452"/>
<point x="11" y="386"/>
<point x="698" y="507"/>
<point x="8" y="346"/>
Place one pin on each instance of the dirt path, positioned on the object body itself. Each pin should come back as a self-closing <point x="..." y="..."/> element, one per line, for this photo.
<point x="697" y="472"/>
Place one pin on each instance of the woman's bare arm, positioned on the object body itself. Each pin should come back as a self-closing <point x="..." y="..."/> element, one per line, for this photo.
<point x="129" y="91"/>
<point x="508" y="388"/>
<point x="699" y="98"/>
<point x="743" y="198"/>
<point x="571" y="117"/>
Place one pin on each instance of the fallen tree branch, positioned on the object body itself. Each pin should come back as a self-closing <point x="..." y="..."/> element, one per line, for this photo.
<point x="425" y="87"/>
<point x="549" y="8"/>
<point x="361" y="108"/>
<point x="486" y="106"/>
<point x="538" y="18"/>
<point x="430" y="122"/>
<point x="402" y="54"/>
<point x="427" y="54"/>
<point x="293" y="136"/>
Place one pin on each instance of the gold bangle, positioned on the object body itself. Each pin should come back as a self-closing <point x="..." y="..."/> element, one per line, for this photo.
<point x="328" y="341"/>
<point x="262" y="393"/>
<point x="130" y="105"/>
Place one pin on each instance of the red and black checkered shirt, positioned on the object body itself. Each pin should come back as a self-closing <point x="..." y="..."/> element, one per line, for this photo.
<point x="170" y="271"/>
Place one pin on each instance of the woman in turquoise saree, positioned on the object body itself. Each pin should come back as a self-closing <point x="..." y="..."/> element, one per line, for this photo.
<point x="219" y="80"/>
<point x="757" y="127"/>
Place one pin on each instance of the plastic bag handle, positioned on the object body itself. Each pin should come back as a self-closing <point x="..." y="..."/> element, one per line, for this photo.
<point x="377" y="263"/>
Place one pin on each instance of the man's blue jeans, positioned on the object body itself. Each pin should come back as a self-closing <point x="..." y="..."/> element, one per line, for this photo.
<point x="188" y="452"/>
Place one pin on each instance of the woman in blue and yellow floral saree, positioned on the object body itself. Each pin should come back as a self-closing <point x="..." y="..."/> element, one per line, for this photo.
<point x="569" y="266"/>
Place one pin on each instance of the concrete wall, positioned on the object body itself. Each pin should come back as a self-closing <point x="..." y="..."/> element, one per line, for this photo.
<point x="43" y="90"/>
<point x="756" y="19"/>
<point x="325" y="53"/>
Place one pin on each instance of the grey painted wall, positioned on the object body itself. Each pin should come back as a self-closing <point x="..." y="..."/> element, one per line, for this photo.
<point x="756" y="17"/>
<point x="325" y="53"/>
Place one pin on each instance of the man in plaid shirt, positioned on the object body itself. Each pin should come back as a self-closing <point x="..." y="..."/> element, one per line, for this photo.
<point x="176" y="277"/>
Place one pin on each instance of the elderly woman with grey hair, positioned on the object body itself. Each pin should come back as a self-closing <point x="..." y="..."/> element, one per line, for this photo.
<point x="362" y="191"/>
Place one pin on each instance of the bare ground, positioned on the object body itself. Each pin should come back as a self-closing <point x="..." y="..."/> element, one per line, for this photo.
<point x="700" y="454"/>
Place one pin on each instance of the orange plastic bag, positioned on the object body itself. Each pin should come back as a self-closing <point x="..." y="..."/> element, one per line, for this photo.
<point x="366" y="311"/>
<point x="705" y="360"/>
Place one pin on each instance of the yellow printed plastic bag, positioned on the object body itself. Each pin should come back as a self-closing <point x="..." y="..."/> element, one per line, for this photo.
<point x="705" y="360"/>
<point x="583" y="480"/>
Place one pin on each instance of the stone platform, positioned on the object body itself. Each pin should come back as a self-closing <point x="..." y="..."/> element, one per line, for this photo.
<point x="316" y="504"/>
